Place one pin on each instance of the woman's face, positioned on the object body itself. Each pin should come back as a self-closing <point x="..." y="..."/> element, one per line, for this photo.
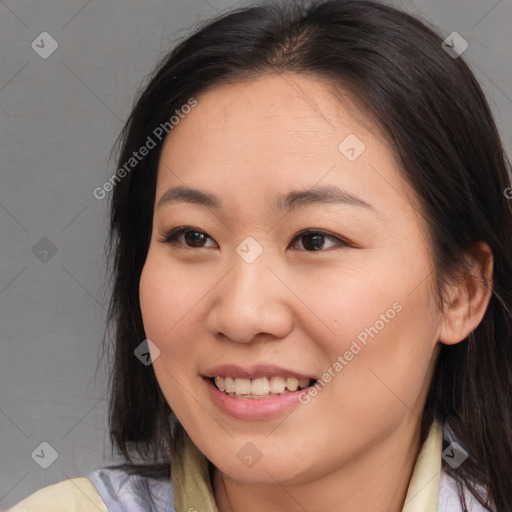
<point x="246" y="296"/>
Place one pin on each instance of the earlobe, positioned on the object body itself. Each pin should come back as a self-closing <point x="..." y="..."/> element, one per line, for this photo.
<point x="468" y="298"/>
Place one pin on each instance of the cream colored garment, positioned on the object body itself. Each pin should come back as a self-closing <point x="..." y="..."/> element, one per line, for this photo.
<point x="73" y="495"/>
<point x="193" y="492"/>
<point x="424" y="484"/>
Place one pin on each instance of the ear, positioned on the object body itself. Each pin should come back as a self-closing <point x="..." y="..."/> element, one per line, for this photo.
<point x="468" y="298"/>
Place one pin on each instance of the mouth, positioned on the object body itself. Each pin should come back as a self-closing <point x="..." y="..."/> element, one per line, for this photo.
<point x="256" y="393"/>
<point x="261" y="387"/>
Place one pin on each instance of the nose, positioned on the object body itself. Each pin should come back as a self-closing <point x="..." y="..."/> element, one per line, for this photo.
<point x="250" y="303"/>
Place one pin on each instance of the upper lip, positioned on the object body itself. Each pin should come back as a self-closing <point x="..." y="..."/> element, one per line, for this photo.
<point x="254" y="372"/>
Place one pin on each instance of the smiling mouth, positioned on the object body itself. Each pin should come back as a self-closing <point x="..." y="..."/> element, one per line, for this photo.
<point x="262" y="387"/>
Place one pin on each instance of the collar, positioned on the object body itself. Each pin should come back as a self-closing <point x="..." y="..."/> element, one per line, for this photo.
<point x="193" y="490"/>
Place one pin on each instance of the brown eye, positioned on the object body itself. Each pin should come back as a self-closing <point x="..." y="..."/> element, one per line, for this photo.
<point x="315" y="240"/>
<point x="193" y="238"/>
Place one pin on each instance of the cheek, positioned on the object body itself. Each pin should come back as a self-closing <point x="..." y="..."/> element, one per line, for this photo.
<point x="172" y="301"/>
<point x="387" y="359"/>
<point x="346" y="304"/>
<point x="154" y="301"/>
<point x="166" y="295"/>
<point x="165" y="299"/>
<point x="384" y="326"/>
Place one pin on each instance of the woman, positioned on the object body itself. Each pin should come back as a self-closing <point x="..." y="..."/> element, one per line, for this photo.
<point x="374" y="374"/>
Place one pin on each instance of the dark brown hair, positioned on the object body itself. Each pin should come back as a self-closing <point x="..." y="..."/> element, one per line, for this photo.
<point x="437" y="120"/>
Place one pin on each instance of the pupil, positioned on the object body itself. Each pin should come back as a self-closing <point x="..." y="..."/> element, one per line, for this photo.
<point x="194" y="237"/>
<point x="315" y="239"/>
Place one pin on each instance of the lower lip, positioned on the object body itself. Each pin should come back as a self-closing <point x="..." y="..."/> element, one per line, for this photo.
<point x="253" y="408"/>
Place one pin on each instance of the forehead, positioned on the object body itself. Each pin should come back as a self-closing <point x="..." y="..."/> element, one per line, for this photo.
<point x="276" y="133"/>
<point x="274" y="113"/>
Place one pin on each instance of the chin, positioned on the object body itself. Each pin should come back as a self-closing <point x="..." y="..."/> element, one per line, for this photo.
<point x="266" y="471"/>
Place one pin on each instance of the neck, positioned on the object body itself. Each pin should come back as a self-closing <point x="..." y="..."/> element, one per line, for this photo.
<point x="377" y="479"/>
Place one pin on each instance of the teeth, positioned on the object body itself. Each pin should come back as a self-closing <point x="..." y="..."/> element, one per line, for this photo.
<point x="220" y="383"/>
<point x="261" y="387"/>
<point x="303" y="383"/>
<point x="292" y="383"/>
<point x="229" y="385"/>
<point x="277" y="384"/>
<point x="242" y="386"/>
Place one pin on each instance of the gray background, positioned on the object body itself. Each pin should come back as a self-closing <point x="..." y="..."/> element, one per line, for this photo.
<point x="59" y="118"/>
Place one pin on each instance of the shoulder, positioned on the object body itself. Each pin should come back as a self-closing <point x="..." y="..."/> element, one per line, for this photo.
<point x="113" y="489"/>
<point x="122" y="490"/>
<point x="72" y="495"/>
<point x="448" y="497"/>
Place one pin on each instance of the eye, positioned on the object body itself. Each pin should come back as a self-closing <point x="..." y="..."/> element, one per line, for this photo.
<point x="314" y="239"/>
<point x="311" y="239"/>
<point x="194" y="238"/>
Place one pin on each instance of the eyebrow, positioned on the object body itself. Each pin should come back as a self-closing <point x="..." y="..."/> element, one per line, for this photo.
<point x="291" y="200"/>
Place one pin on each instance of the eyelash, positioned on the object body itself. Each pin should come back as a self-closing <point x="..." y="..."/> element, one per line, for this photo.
<point x="171" y="237"/>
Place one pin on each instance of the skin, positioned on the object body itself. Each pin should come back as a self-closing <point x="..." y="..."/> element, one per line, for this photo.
<point x="353" y="447"/>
